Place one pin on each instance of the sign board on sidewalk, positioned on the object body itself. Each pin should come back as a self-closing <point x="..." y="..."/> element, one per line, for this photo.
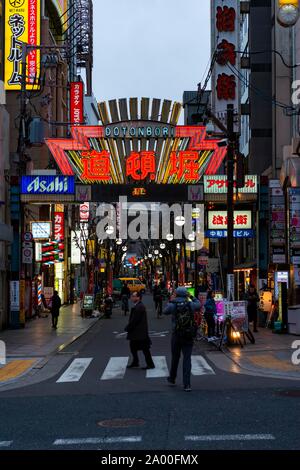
<point x="237" y="311"/>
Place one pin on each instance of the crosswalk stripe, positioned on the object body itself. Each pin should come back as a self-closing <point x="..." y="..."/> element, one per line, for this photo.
<point x="200" y="366"/>
<point x="5" y="443"/>
<point x="161" y="368"/>
<point x="115" y="368"/>
<point x="76" y="370"/>
<point x="96" y="440"/>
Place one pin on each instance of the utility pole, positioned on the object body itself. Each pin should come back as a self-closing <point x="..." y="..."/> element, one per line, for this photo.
<point x="230" y="206"/>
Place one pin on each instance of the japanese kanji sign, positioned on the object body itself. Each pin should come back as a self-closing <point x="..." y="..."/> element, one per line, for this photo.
<point x="225" y="43"/>
<point x="95" y="158"/>
<point x="217" y="220"/>
<point x="22" y="26"/>
<point x="217" y="184"/>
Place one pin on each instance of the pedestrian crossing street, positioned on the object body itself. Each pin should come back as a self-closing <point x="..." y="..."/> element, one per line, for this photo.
<point x="116" y="368"/>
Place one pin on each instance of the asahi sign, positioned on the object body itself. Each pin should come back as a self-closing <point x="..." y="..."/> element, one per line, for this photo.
<point x="48" y="185"/>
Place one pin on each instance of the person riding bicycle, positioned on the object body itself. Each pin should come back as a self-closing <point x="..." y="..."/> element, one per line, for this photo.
<point x="125" y="295"/>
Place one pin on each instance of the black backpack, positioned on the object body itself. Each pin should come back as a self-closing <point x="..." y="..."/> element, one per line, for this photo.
<point x="185" y="326"/>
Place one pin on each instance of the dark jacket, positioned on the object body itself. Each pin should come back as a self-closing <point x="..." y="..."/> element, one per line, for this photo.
<point x="210" y="307"/>
<point x="137" y="327"/>
<point x="56" y="304"/>
<point x="182" y="295"/>
<point x="252" y="299"/>
<point x="125" y="291"/>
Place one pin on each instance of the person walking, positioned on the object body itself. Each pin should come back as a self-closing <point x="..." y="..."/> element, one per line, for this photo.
<point x="210" y="313"/>
<point x="55" y="306"/>
<point x="158" y="299"/>
<point x="182" y="308"/>
<point x="125" y="295"/>
<point x="252" y="299"/>
<point x="138" y="334"/>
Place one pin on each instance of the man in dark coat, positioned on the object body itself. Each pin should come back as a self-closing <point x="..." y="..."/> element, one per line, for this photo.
<point x="252" y="299"/>
<point x="137" y="333"/>
<point x="55" y="306"/>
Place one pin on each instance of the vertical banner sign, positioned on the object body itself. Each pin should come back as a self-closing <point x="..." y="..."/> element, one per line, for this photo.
<point x="76" y="103"/>
<point x="277" y="223"/>
<point x="294" y="231"/>
<point x="225" y="42"/>
<point x="22" y="26"/>
<point x="59" y="226"/>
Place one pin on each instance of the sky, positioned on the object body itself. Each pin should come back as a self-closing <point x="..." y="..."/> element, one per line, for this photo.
<point x="151" y="48"/>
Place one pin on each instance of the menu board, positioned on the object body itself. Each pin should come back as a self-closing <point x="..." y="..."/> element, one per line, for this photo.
<point x="237" y="311"/>
<point x="88" y="302"/>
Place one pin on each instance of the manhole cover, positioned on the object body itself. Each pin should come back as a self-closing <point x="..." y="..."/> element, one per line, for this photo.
<point x="290" y="393"/>
<point x="121" y="423"/>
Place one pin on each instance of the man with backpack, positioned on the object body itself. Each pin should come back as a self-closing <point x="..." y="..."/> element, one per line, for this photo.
<point x="184" y="329"/>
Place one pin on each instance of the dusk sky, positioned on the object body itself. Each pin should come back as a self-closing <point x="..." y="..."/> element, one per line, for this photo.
<point x="152" y="48"/>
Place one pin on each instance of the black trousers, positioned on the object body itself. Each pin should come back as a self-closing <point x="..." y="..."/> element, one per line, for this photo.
<point x="54" y="320"/>
<point x="185" y="346"/>
<point x="144" y="346"/>
<point x="211" y="325"/>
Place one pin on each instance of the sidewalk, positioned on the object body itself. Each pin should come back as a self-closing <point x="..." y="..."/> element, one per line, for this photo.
<point x="32" y="346"/>
<point x="270" y="356"/>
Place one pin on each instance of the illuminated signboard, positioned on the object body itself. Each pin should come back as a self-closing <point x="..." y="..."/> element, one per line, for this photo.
<point x="84" y="156"/>
<point x="217" y="184"/>
<point x="76" y="103"/>
<point x="52" y="252"/>
<point x="224" y="43"/>
<point x="75" y="247"/>
<point x="236" y="233"/>
<point x="48" y="184"/>
<point x="22" y="26"/>
<point x="40" y="230"/>
<point x="217" y="220"/>
<point x="59" y="226"/>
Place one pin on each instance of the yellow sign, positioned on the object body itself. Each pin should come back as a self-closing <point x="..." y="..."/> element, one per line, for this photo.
<point x="22" y="26"/>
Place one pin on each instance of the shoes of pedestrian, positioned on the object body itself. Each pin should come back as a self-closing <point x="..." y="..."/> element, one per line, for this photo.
<point x="187" y="388"/>
<point x="171" y="381"/>
<point x="148" y="367"/>
<point x="133" y="366"/>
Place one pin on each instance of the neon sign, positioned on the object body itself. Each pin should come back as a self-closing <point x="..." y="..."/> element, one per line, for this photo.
<point x="96" y="158"/>
<point x="48" y="184"/>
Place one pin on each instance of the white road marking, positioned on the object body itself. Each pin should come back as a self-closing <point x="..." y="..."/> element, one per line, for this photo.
<point x="5" y="443"/>
<point x="201" y="367"/>
<point x="96" y="440"/>
<point x="75" y="371"/>
<point x="115" y="368"/>
<point x="161" y="368"/>
<point x="231" y="437"/>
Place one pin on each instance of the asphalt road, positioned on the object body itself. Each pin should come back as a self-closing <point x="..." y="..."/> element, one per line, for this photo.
<point x="101" y="405"/>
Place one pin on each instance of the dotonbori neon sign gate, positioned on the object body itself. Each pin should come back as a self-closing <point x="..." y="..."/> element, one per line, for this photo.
<point x="137" y="151"/>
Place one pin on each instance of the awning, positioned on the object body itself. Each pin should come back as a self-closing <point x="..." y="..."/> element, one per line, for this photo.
<point x="6" y="233"/>
<point x="290" y="170"/>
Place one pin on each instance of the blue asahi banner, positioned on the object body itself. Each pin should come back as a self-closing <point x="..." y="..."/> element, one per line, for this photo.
<point x="50" y="184"/>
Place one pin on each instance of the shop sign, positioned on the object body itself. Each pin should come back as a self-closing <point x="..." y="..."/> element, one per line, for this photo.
<point x="195" y="193"/>
<point x="49" y="184"/>
<point x="40" y="230"/>
<point x="225" y="43"/>
<point x="75" y="247"/>
<point x="147" y="131"/>
<point x="76" y="103"/>
<point x="59" y="226"/>
<point x="278" y="224"/>
<point x="14" y="296"/>
<point x="236" y="233"/>
<point x="22" y="26"/>
<point x="38" y="252"/>
<point x="217" y="220"/>
<point x="83" y="193"/>
<point x="84" y="212"/>
<point x="218" y="184"/>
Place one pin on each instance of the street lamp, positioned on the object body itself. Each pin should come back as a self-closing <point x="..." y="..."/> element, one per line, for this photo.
<point x="288" y="12"/>
<point x="156" y="252"/>
<point x="150" y="255"/>
<point x="119" y="241"/>
<point x="170" y="237"/>
<point x="109" y="230"/>
<point x="162" y="246"/>
<point x="180" y="221"/>
<point x="192" y="237"/>
<point x="124" y="248"/>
